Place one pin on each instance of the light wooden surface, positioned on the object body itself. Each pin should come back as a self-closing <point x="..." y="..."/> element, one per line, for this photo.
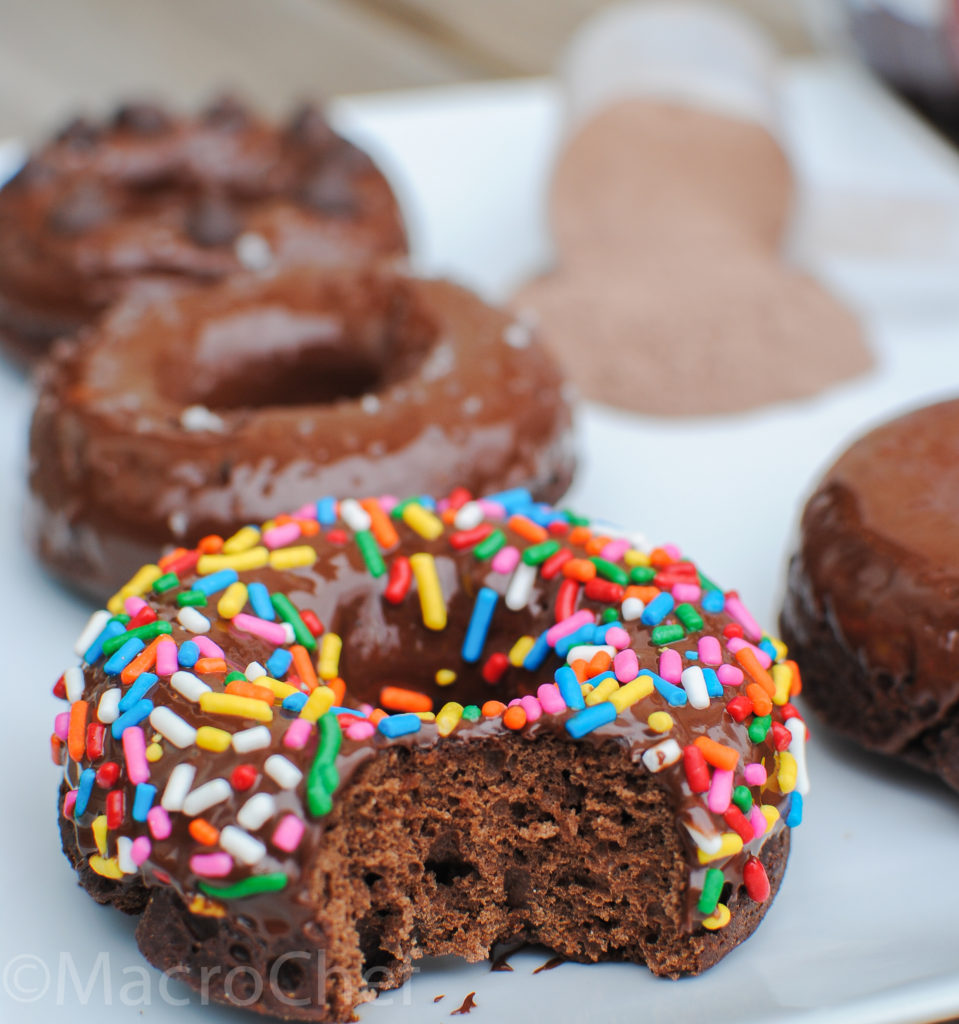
<point x="59" y="56"/>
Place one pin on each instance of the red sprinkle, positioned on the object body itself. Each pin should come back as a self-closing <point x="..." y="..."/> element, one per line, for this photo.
<point x="697" y="771"/>
<point x="60" y="689"/>
<point x="554" y="563"/>
<point x="469" y="538"/>
<point x="739" y="707"/>
<point x="732" y="629"/>
<point x="604" y="590"/>
<point x="182" y="563"/>
<point x="496" y="665"/>
<point x="115" y="808"/>
<point x="107" y="774"/>
<point x="755" y="880"/>
<point x="789" y="711"/>
<point x="244" y="775"/>
<point x="311" y="622"/>
<point x="95" y="734"/>
<point x="458" y="497"/>
<point x="566" y="595"/>
<point x="782" y="737"/>
<point x="337" y="536"/>
<point x="558" y="528"/>
<point x="738" y="822"/>
<point x="142" y="618"/>
<point x="401" y="575"/>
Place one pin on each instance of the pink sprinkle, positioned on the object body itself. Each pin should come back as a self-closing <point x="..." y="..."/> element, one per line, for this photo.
<point x="686" y="592"/>
<point x="159" y="822"/>
<point x="720" y="791"/>
<point x="271" y="632"/>
<point x="532" y="707"/>
<point x="133" y="605"/>
<point x="134" y="752"/>
<point x="674" y="553"/>
<point x="492" y="509"/>
<point x="442" y="505"/>
<point x="614" y="550"/>
<point x="140" y="850"/>
<point x="758" y="821"/>
<point x="288" y="833"/>
<point x="730" y="675"/>
<point x="710" y="653"/>
<point x="360" y="729"/>
<point x="738" y="611"/>
<point x="550" y="699"/>
<point x="305" y="512"/>
<point x="569" y="625"/>
<point x="298" y="734"/>
<point x="207" y="647"/>
<point x="211" y="865"/>
<point x="505" y="559"/>
<point x="671" y="666"/>
<point x="167" y="662"/>
<point x="736" y="643"/>
<point x="617" y="637"/>
<point x="626" y="665"/>
<point x="280" y="536"/>
<point x="388" y="502"/>
<point x="61" y="725"/>
<point x="754" y="774"/>
<point x="69" y="801"/>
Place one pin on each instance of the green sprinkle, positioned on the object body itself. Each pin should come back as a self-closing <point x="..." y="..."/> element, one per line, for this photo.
<point x="706" y="583"/>
<point x="490" y="545"/>
<point x="166" y="582"/>
<point x="758" y="728"/>
<point x="273" y="882"/>
<point x="122" y="618"/>
<point x="609" y="615"/>
<point x="667" y="634"/>
<point x="472" y="713"/>
<point x="743" y="799"/>
<point x="397" y="511"/>
<point x="609" y="571"/>
<point x="147" y="632"/>
<point x="370" y="551"/>
<point x="689" y="617"/>
<point x="538" y="553"/>
<point x="286" y="611"/>
<point x="191" y="599"/>
<point x="235" y="676"/>
<point x="642" y="574"/>
<point x="573" y="519"/>
<point x="712" y="889"/>
<point x="323" y="778"/>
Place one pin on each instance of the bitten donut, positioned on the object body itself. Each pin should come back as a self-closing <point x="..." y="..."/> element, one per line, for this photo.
<point x="176" y="419"/>
<point x="871" y="604"/>
<point x="375" y="729"/>
<point x="153" y="200"/>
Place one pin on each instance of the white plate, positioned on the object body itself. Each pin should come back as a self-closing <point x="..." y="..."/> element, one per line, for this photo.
<point x="864" y="927"/>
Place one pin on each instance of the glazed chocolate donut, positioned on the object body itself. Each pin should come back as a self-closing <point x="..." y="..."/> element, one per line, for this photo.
<point x="151" y="200"/>
<point x="371" y="731"/>
<point x="870" y="609"/>
<point x="173" y="419"/>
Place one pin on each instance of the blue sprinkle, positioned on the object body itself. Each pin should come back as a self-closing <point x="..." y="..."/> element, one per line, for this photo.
<point x="119" y="660"/>
<point x="84" y="789"/>
<point x="713" y="686"/>
<point x="592" y="718"/>
<point x="326" y="511"/>
<point x="657" y="609"/>
<point x="110" y="630"/>
<point x="143" y="797"/>
<point x="427" y="501"/>
<point x="569" y="688"/>
<point x="479" y="624"/>
<point x="279" y="663"/>
<point x="794" y="817"/>
<point x="691" y="655"/>
<point x="541" y="514"/>
<point x="399" y="725"/>
<point x="512" y="500"/>
<point x="260" y="601"/>
<point x="713" y="601"/>
<point x="673" y="695"/>
<point x="144" y="682"/>
<point x="294" y="702"/>
<point x="583" y="635"/>
<point x="188" y="654"/>
<point x="346" y="711"/>
<point x="134" y="716"/>
<point x="216" y="581"/>
<point x="537" y="653"/>
<point x="596" y="680"/>
<point x="767" y="645"/>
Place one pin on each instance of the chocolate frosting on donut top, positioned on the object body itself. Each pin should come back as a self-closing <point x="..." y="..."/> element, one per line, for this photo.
<point x="229" y="692"/>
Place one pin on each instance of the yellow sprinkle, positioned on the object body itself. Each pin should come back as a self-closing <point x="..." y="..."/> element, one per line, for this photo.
<point x="770" y="813"/>
<point x="448" y="717"/>
<point x="244" y="539"/>
<point x="660" y="721"/>
<point x="445" y="677"/>
<point x="432" y="604"/>
<point x="109" y="868"/>
<point x="233" y="600"/>
<point x="292" y="558"/>
<point x="422" y="521"/>
<point x="328" y="665"/>
<point x="99" y="828"/>
<point x="217" y="740"/>
<point x="635" y="690"/>
<point x="731" y="843"/>
<point x="602" y="692"/>
<point x="139" y="584"/>
<point x="206" y="908"/>
<point x="154" y="752"/>
<point x="634" y="557"/>
<point x="318" y="703"/>
<point x="426" y="716"/>
<point x="255" y="558"/>
<point x="783" y="678"/>
<point x="786" y="775"/>
<point x="280" y="689"/>
<point x="782" y="651"/>
<point x="519" y="650"/>
<point x="230" y="704"/>
<point x="718" y="919"/>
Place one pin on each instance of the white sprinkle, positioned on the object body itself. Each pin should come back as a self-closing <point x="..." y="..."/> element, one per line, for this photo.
<point x="469" y="516"/>
<point x="370" y="404"/>
<point x="520" y="587"/>
<point x="257" y="811"/>
<point x="194" y="621"/>
<point x="585" y="652"/>
<point x="197" y="418"/>
<point x="797" y="748"/>
<point x="283" y="772"/>
<point x="439" y="363"/>
<point x="178" y="522"/>
<point x="108" y="710"/>
<point x="253" y="251"/>
<point x="632" y="609"/>
<point x="91" y="631"/>
<point x="73" y="682"/>
<point x="662" y="755"/>
<point x="694" y="683"/>
<point x="354" y="515"/>
<point x="707" y="843"/>
<point x="244" y="847"/>
<point x="254" y="671"/>
<point x="251" y="739"/>
<point x="208" y="795"/>
<point x="177" y="787"/>
<point x="125" y="855"/>
<point x="288" y="633"/>
<point x="188" y="685"/>
<point x="517" y="334"/>
<point x="171" y="726"/>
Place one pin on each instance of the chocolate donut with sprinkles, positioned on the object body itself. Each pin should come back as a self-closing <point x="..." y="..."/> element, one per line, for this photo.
<point x="375" y="729"/>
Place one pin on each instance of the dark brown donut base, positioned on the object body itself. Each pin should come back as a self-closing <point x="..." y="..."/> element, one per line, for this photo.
<point x="440" y="851"/>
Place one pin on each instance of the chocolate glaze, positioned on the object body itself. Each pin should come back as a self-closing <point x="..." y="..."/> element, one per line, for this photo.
<point x="870" y="608"/>
<point x="153" y="201"/>
<point x="303" y="383"/>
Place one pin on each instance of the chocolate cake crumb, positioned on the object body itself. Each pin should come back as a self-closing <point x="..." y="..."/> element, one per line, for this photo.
<point x="554" y="961"/>
<point x="469" y="1003"/>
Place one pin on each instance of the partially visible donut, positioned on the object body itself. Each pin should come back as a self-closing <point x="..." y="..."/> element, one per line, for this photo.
<point x="150" y="199"/>
<point x="589" y="745"/>
<point x="177" y="418"/>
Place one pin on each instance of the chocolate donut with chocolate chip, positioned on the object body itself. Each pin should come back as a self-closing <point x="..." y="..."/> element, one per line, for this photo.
<point x="152" y="200"/>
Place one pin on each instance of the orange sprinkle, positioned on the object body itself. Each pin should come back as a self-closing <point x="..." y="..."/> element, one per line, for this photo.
<point x="171" y="557"/>
<point x="381" y="526"/>
<point x="762" y="705"/>
<point x="377" y="715"/>
<point x="206" y="666"/>
<point x="659" y="559"/>
<point x="596" y="544"/>
<point x="398" y="699"/>
<point x="527" y="529"/>
<point x="579" y="535"/>
<point x="282" y="519"/>
<point x="795" y="686"/>
<point x="338" y="687"/>
<point x="77" y="730"/>
<point x="746" y="657"/>
<point x="203" y="832"/>
<point x="304" y="666"/>
<point x="514" y="717"/>
<point x="143" y="662"/>
<point x="580" y="669"/>
<point x="308" y="527"/>
<point x="448" y="516"/>
<point x="243" y="688"/>
<point x="645" y="594"/>
<point x="718" y="754"/>
<point x="599" y="662"/>
<point x="211" y="544"/>
<point x="56" y="748"/>
<point x="493" y="708"/>
<point x="579" y="569"/>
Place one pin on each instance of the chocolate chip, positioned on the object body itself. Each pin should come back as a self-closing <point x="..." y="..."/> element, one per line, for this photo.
<point x="142" y="118"/>
<point x="80" y="133"/>
<point x="228" y="113"/>
<point x="212" y="221"/>
<point x="330" y="191"/>
<point x="81" y="210"/>
<point x="309" y="127"/>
